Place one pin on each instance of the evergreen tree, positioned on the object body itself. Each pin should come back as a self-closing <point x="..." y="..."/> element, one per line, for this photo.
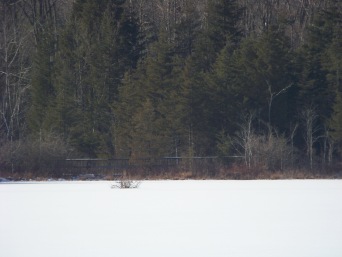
<point x="99" y="46"/>
<point x="221" y="27"/>
<point x="42" y="91"/>
<point x="336" y="121"/>
<point x="266" y="76"/>
<point x="223" y="18"/>
<point x="131" y="96"/>
<point x="115" y="53"/>
<point x="195" y="109"/>
<point x="157" y="87"/>
<point x="224" y="98"/>
<point x="187" y="30"/>
<point x="147" y="136"/>
<point x="332" y="65"/>
<point x="70" y="83"/>
<point x="147" y="87"/>
<point x="186" y="121"/>
<point x="315" y="87"/>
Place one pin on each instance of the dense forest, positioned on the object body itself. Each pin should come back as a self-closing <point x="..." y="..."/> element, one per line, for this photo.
<point x="146" y="79"/>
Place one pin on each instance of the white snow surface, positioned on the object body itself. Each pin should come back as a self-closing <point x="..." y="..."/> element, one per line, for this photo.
<point x="291" y="218"/>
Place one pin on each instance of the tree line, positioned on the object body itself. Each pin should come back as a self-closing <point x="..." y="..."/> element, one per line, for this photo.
<point x="145" y="79"/>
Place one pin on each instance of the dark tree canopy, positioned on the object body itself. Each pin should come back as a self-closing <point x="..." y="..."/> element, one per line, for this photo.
<point x="149" y="79"/>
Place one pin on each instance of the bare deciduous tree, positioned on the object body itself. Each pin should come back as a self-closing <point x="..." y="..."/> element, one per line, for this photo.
<point x="245" y="138"/>
<point x="328" y="147"/>
<point x="309" y="118"/>
<point x="14" y="69"/>
<point x="296" y="14"/>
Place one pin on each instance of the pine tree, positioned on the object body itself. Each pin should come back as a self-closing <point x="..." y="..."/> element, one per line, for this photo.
<point x="131" y="95"/>
<point x="332" y="65"/>
<point x="195" y="112"/>
<point x="224" y="99"/>
<point x="335" y="123"/>
<point x="223" y="18"/>
<point x="42" y="91"/>
<point x="266" y="76"/>
<point x="315" y="87"/>
<point x="99" y="45"/>
<point x="145" y="87"/>
<point x="157" y="87"/>
<point x="221" y="26"/>
<point x="148" y="139"/>
<point x="187" y="30"/>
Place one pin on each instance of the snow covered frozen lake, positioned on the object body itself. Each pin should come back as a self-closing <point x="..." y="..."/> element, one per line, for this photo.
<point x="294" y="218"/>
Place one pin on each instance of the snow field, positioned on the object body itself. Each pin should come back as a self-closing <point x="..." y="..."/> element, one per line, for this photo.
<point x="299" y="218"/>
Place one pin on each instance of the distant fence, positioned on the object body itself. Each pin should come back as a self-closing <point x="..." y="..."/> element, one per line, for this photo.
<point x="73" y="167"/>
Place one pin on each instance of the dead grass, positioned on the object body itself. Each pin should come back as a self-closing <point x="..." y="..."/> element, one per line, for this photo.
<point x="183" y="175"/>
<point x="232" y="172"/>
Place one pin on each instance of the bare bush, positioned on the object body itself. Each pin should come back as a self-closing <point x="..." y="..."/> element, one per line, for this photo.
<point x="37" y="155"/>
<point x="126" y="184"/>
<point x="311" y="131"/>
<point x="270" y="151"/>
<point x="245" y="139"/>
